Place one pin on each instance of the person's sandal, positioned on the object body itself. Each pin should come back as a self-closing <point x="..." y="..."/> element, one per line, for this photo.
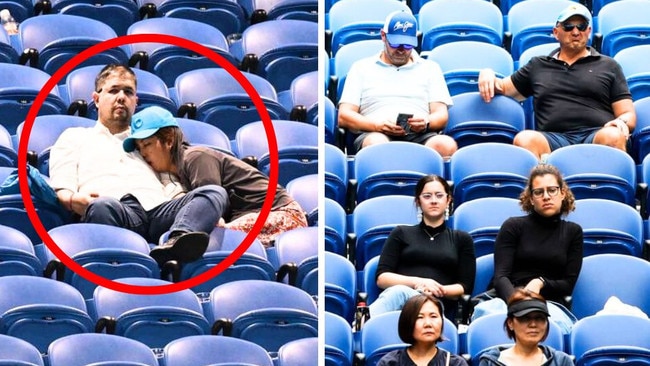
<point x="184" y="248"/>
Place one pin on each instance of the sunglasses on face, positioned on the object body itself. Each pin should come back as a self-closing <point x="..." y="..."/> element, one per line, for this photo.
<point x="569" y="27"/>
<point x="404" y="46"/>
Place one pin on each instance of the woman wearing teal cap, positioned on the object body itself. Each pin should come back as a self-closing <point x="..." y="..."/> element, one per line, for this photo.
<point x="157" y="136"/>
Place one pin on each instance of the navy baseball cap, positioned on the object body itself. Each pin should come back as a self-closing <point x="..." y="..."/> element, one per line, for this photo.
<point x="146" y="123"/>
<point x="401" y="28"/>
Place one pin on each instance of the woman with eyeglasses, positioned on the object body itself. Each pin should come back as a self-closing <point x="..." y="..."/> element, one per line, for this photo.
<point x="540" y="251"/>
<point x="429" y="257"/>
<point x="526" y="324"/>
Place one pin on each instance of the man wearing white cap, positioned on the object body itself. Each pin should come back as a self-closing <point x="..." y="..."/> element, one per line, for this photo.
<point x="397" y="81"/>
<point x="579" y="95"/>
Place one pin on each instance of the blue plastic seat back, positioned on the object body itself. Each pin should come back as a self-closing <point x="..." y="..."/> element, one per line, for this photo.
<point x="300" y="352"/>
<point x="597" y="171"/>
<point x="304" y="190"/>
<point x="348" y="55"/>
<point x="169" y="61"/>
<point x="340" y="286"/>
<point x="359" y="20"/>
<point x="304" y="94"/>
<point x="17" y="256"/>
<point x="15" y="351"/>
<point x="99" y="349"/>
<point x="285" y="9"/>
<point x="40" y="310"/>
<point x="482" y="219"/>
<point x="384" y="169"/>
<point x="490" y="169"/>
<point x="205" y="134"/>
<point x="636" y="73"/>
<point x="336" y="174"/>
<point x="624" y="24"/>
<point x="374" y="219"/>
<point x="543" y="49"/>
<point x="118" y="14"/>
<point x="484" y="273"/>
<point x="338" y="341"/>
<point x="472" y="121"/>
<point x="19" y="86"/>
<point x="461" y="62"/>
<point x="298" y="248"/>
<point x="331" y="122"/>
<point x="606" y="275"/>
<point x="335" y="227"/>
<point x="641" y="134"/>
<point x="445" y="21"/>
<point x="7" y="53"/>
<point x="59" y="37"/>
<point x="154" y="320"/>
<point x="206" y="349"/>
<point x="608" y="339"/>
<point x="8" y="153"/>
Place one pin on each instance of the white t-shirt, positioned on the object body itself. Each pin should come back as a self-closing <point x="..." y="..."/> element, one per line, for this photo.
<point x="382" y="91"/>
<point x="91" y="160"/>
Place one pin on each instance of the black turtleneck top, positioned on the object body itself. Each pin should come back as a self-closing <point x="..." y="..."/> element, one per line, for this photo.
<point x="448" y="259"/>
<point x="534" y="246"/>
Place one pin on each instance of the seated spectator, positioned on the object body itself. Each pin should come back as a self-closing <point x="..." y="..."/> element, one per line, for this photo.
<point x="157" y="136"/>
<point x="526" y="324"/>
<point x="421" y="325"/>
<point x="397" y="81"/>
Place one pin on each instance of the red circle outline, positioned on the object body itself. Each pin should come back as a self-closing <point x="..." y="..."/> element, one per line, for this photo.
<point x="69" y="66"/>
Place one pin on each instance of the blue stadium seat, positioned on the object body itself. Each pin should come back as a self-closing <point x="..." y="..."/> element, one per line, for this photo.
<point x="336" y="174"/>
<point x="444" y="21"/>
<point x="169" y="61"/>
<point x="278" y="50"/>
<point x="304" y="190"/>
<point x="471" y="120"/>
<point x="49" y="41"/>
<point x="379" y="336"/>
<point x="297" y="252"/>
<point x="606" y="275"/>
<point x="45" y="131"/>
<point x="490" y="169"/>
<point x="611" y="339"/>
<point x="482" y="219"/>
<point x="352" y="21"/>
<point x="118" y="14"/>
<point x="348" y="55"/>
<point x="40" y="310"/>
<point x="374" y="219"/>
<point x="7" y="53"/>
<point x="543" y="49"/>
<point x="80" y="85"/>
<point x="297" y="148"/>
<point x="461" y="62"/>
<point x="15" y="351"/>
<point x="19" y="86"/>
<point x="108" y="251"/>
<point x="154" y="320"/>
<point x="204" y="350"/>
<point x="369" y="280"/>
<point x="331" y="122"/>
<point x="597" y="171"/>
<point x="340" y="286"/>
<point x="623" y="24"/>
<point x="394" y="168"/>
<point x="637" y="72"/>
<point x="252" y="265"/>
<point x="304" y="92"/>
<point x="8" y="152"/>
<point x="487" y="331"/>
<point x="284" y="9"/>
<point x="301" y="352"/>
<point x="214" y="96"/>
<point x="335" y="227"/>
<point x="641" y="134"/>
<point x="99" y="349"/>
<point x="282" y="314"/>
<point x="17" y="256"/>
<point x="205" y="134"/>
<point x="338" y="341"/>
<point x="484" y="273"/>
<point x="19" y="9"/>
<point x="531" y="22"/>
<point x="226" y="15"/>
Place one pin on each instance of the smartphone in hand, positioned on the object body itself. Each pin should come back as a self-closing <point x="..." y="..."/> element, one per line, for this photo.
<point x="402" y="120"/>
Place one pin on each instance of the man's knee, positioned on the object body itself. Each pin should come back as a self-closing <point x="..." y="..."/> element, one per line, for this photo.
<point x="445" y="145"/>
<point x="374" y="138"/>
<point x="214" y="193"/>
<point x="532" y="141"/>
<point x="611" y="136"/>
<point x="103" y="210"/>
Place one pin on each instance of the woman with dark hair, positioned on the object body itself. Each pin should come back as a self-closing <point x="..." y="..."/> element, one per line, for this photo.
<point x="157" y="136"/>
<point x="421" y="324"/>
<point x="526" y="324"/>
<point x="540" y="251"/>
<point x="427" y="258"/>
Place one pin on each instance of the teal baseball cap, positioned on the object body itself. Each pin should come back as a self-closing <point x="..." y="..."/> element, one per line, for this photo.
<point x="146" y="123"/>
<point x="574" y="9"/>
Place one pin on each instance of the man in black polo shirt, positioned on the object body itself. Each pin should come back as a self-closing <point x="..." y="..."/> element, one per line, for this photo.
<point x="579" y="95"/>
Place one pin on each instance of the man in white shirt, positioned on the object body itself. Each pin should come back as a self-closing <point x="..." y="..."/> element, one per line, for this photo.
<point x="97" y="180"/>
<point x="397" y="81"/>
